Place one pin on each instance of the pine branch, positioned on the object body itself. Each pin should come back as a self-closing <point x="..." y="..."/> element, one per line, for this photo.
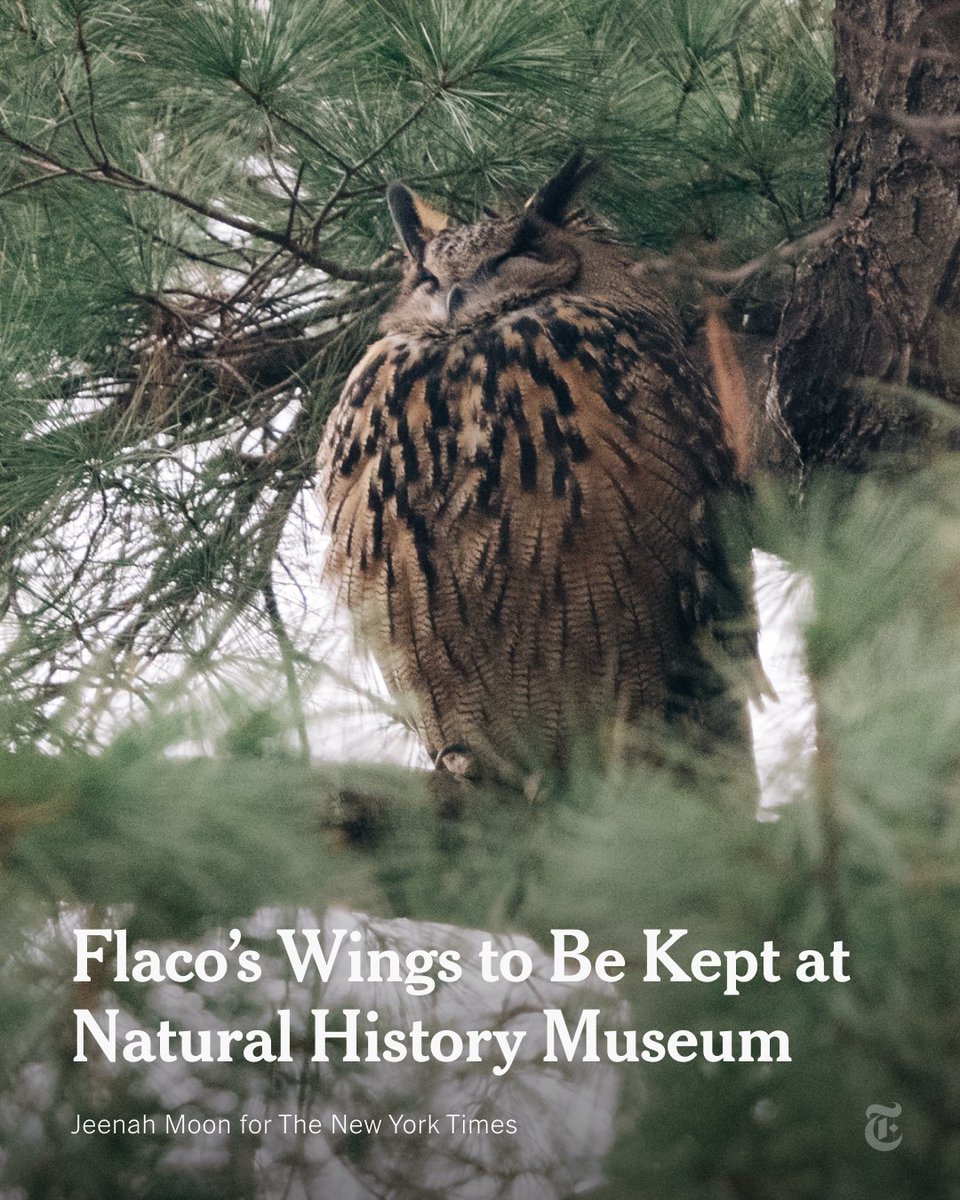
<point x="111" y="175"/>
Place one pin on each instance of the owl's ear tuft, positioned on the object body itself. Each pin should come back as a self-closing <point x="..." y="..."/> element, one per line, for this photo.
<point x="554" y="198"/>
<point x="416" y="220"/>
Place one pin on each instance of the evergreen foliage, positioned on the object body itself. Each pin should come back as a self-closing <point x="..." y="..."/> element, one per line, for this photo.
<point x="194" y="248"/>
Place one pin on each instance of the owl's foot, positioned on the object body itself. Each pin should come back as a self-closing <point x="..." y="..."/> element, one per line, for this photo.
<point x="534" y="786"/>
<point x="458" y="760"/>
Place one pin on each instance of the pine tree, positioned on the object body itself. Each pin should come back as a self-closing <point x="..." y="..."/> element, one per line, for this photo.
<point x="194" y="249"/>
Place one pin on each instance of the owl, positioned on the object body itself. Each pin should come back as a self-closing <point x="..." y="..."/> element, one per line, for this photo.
<point x="520" y="483"/>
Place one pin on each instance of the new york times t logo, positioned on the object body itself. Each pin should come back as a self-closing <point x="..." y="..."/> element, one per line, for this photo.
<point x="882" y="1132"/>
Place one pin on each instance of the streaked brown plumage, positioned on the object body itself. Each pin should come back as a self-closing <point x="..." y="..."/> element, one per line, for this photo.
<point x="519" y="480"/>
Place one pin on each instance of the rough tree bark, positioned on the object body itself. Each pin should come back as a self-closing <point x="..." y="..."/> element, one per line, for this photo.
<point x="874" y="311"/>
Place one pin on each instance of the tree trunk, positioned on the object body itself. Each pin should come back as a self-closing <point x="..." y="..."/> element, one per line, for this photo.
<point x="873" y="318"/>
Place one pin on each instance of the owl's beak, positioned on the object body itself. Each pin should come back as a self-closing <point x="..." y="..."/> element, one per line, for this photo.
<point x="455" y="298"/>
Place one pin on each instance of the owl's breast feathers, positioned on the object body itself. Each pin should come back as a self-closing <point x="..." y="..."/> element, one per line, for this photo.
<point x="520" y="523"/>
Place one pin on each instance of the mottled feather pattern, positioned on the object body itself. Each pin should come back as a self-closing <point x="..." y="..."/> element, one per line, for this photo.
<point x="519" y="482"/>
<point x="515" y="515"/>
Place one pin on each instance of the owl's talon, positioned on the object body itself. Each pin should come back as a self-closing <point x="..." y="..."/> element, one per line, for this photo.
<point x="533" y="786"/>
<point x="456" y="759"/>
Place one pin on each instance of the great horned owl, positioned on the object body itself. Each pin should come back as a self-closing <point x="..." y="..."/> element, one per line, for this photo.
<point x="519" y="481"/>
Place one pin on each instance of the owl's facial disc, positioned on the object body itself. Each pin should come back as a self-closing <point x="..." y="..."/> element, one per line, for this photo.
<point x="496" y="265"/>
<point x="458" y="274"/>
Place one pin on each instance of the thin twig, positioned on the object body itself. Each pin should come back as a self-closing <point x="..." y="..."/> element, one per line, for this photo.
<point x="91" y="95"/>
<point x="947" y="124"/>
<point x="350" y="172"/>
<point x="29" y="183"/>
<point x="287" y="659"/>
<point x="78" y="130"/>
<point x="294" y="197"/>
<point x="293" y="126"/>
<point x="112" y="175"/>
<point x="785" y="252"/>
